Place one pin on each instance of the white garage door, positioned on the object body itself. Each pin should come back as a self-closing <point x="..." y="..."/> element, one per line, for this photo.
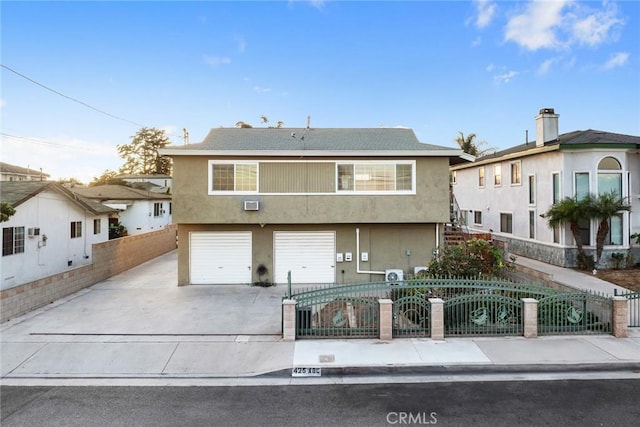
<point x="220" y="257"/>
<point x="310" y="256"/>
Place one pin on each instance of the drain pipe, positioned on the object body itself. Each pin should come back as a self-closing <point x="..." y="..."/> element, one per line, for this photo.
<point x="358" y="257"/>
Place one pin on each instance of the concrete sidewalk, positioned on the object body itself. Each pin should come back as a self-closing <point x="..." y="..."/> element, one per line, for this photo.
<point x="140" y="325"/>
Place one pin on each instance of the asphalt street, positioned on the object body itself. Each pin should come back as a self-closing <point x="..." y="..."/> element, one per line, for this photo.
<point x="513" y="403"/>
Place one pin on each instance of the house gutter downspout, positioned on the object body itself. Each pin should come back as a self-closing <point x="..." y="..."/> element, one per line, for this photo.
<point x="358" y="257"/>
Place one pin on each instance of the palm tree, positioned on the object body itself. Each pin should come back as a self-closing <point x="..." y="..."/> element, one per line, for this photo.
<point x="569" y="211"/>
<point x="602" y="208"/>
<point x="469" y="145"/>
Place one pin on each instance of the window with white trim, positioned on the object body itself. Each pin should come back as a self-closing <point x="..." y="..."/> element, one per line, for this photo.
<point x="157" y="209"/>
<point x="497" y="175"/>
<point x="76" y="229"/>
<point x="532" y="189"/>
<point x="233" y="177"/>
<point x="12" y="240"/>
<point x="516" y="173"/>
<point x="481" y="177"/>
<point x="477" y="217"/>
<point x="581" y="185"/>
<point x="374" y="177"/>
<point x="506" y="223"/>
<point x="96" y="226"/>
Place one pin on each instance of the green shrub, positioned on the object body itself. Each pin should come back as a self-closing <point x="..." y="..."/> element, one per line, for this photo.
<point x="472" y="258"/>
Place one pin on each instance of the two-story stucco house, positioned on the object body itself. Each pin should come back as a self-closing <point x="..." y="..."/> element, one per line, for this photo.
<point x="507" y="193"/>
<point x="327" y="205"/>
<point x="51" y="231"/>
<point x="140" y="211"/>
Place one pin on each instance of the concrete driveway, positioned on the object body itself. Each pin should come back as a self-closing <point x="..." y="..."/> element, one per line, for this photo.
<point x="147" y="301"/>
<point x="140" y="323"/>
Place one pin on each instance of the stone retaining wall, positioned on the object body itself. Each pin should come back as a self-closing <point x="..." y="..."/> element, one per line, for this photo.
<point x="109" y="258"/>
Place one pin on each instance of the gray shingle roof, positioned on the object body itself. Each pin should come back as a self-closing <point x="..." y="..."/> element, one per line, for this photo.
<point x="118" y="192"/>
<point x="314" y="139"/>
<point x="18" y="170"/>
<point x="17" y="192"/>
<point x="578" y="137"/>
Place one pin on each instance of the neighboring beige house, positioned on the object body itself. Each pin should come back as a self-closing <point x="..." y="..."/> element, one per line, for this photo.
<point x="507" y="193"/>
<point x="17" y="173"/>
<point x="327" y="205"/>
<point x="140" y="211"/>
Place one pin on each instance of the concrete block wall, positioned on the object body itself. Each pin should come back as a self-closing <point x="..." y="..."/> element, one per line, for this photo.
<point x="109" y="258"/>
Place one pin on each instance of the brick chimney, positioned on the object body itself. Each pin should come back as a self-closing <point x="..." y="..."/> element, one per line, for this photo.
<point x="546" y="126"/>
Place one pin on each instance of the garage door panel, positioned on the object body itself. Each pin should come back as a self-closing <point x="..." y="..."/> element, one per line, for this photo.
<point x="220" y="257"/>
<point x="310" y="256"/>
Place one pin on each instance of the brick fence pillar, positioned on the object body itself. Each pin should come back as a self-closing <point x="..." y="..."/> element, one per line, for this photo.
<point x="437" y="318"/>
<point x="289" y="320"/>
<point x="530" y="317"/>
<point x="386" y="319"/>
<point x="620" y="317"/>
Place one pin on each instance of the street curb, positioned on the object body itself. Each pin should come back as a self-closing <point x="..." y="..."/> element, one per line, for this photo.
<point x="463" y="369"/>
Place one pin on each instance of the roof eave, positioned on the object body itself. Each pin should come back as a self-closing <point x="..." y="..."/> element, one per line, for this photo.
<point x="314" y="153"/>
<point x="482" y="161"/>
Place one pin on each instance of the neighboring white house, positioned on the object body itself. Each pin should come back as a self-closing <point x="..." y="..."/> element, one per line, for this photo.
<point x="17" y="173"/>
<point x="154" y="183"/>
<point x="507" y="193"/>
<point x="51" y="231"/>
<point x="140" y="211"/>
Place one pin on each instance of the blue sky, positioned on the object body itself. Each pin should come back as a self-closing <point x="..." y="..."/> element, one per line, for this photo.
<point x="437" y="67"/>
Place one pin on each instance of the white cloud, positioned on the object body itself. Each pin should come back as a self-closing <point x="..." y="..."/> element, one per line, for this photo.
<point x="476" y="41"/>
<point x="546" y="65"/>
<point x="505" y="77"/>
<point x="486" y="12"/>
<point x="616" y="60"/>
<point x="489" y="68"/>
<point x="3" y="103"/>
<point x="597" y="27"/>
<point x="318" y="4"/>
<point x="216" y="61"/>
<point x="261" y="89"/>
<point x="534" y="28"/>
<point x="562" y="23"/>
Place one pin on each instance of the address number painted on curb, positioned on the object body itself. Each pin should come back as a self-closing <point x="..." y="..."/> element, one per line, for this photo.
<point x="306" y="372"/>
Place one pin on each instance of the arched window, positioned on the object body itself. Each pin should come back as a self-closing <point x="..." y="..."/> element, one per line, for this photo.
<point x="609" y="176"/>
<point x="610" y="179"/>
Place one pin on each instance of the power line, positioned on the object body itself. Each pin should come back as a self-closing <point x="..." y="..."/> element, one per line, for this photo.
<point x="69" y="97"/>
<point x="42" y="142"/>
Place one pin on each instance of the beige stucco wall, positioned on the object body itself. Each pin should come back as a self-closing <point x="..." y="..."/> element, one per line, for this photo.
<point x="386" y="244"/>
<point x="193" y="205"/>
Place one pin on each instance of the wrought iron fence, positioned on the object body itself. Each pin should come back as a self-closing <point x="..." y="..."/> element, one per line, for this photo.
<point x="471" y="307"/>
<point x="411" y="316"/>
<point x="575" y="313"/>
<point x="339" y="311"/>
<point x="483" y="314"/>
<point x="633" y="301"/>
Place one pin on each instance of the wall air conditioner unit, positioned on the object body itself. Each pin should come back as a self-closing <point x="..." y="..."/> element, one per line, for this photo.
<point x="251" y="205"/>
<point x="33" y="232"/>
<point x="393" y="276"/>
<point x="421" y="270"/>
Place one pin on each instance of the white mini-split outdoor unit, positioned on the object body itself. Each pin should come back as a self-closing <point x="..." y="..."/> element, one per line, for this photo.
<point x="421" y="269"/>
<point x="251" y="205"/>
<point x="393" y="276"/>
